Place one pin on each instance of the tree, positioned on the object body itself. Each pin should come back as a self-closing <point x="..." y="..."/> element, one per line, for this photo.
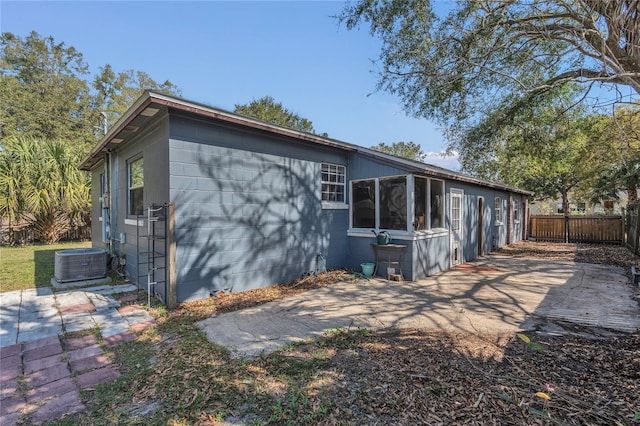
<point x="42" y="90"/>
<point x="40" y="183"/>
<point x="544" y="149"/>
<point x="267" y="109"/>
<point x="615" y="155"/>
<point x="489" y="60"/>
<point x="409" y="150"/>
<point x="116" y="92"/>
<point x="45" y="91"/>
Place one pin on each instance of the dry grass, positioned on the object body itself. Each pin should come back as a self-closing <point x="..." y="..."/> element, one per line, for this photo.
<point x="355" y="377"/>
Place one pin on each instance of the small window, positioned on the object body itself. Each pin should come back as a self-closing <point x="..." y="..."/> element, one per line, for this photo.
<point x="456" y="210"/>
<point x="498" y="209"/>
<point x="333" y="183"/>
<point x="516" y="212"/>
<point x="135" y="179"/>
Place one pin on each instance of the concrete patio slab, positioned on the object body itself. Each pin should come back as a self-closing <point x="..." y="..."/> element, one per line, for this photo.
<point x="496" y="294"/>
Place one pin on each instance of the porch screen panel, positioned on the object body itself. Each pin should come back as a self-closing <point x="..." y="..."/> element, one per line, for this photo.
<point x="364" y="204"/>
<point x="437" y="204"/>
<point x="420" y="190"/>
<point x="393" y="203"/>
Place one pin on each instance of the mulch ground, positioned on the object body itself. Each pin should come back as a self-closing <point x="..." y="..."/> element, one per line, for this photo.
<point x="412" y="376"/>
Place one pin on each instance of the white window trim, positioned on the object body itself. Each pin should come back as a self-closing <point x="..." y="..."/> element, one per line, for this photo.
<point x="327" y="205"/>
<point x="134" y="222"/>
<point x="402" y="235"/>
<point x="409" y="233"/>
<point x="335" y="204"/>
<point x="495" y="210"/>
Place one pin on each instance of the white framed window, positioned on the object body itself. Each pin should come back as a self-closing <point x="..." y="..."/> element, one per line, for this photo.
<point x="516" y="212"/>
<point x="456" y="209"/>
<point x="135" y="186"/>
<point x="333" y="182"/>
<point x="498" y="209"/>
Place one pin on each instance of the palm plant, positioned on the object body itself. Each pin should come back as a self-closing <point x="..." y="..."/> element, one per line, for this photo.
<point x="41" y="184"/>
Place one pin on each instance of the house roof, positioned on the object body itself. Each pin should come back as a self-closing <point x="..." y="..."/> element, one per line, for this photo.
<point x="150" y="103"/>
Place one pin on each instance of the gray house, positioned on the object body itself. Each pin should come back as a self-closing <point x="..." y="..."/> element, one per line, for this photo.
<point x="195" y="200"/>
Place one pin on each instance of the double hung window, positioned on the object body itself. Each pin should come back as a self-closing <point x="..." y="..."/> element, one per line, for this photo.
<point x="135" y="182"/>
<point x="333" y="183"/>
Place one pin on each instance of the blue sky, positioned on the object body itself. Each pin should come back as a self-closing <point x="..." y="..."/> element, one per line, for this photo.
<point x="226" y="53"/>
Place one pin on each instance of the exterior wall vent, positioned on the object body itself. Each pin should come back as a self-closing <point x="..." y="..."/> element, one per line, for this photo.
<point x="80" y="264"/>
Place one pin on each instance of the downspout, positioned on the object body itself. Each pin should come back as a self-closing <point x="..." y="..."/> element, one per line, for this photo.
<point x="105" y="213"/>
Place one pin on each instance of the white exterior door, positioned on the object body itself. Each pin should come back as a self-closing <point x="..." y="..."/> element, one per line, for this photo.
<point x="456" y="219"/>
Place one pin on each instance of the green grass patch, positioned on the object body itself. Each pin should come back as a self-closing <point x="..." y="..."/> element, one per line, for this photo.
<point x="31" y="266"/>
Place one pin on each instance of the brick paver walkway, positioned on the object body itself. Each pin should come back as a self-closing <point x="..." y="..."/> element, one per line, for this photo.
<point x="41" y="377"/>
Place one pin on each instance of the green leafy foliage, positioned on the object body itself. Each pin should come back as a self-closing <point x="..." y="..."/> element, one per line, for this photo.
<point x="614" y="156"/>
<point x="46" y="91"/>
<point x="43" y="91"/>
<point x="50" y="116"/>
<point x="479" y="67"/>
<point x="116" y="92"/>
<point x="40" y="183"/>
<point x="267" y="109"/>
<point x="410" y="150"/>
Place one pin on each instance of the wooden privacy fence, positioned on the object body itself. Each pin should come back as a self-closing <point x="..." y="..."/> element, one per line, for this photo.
<point x="28" y="234"/>
<point x="581" y="229"/>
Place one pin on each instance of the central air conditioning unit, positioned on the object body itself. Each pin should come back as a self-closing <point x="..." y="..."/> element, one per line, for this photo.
<point x="80" y="264"/>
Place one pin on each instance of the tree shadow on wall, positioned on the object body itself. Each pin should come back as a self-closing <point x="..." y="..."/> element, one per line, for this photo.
<point x="252" y="220"/>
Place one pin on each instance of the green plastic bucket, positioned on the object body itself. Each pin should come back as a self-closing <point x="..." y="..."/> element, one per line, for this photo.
<point x="367" y="269"/>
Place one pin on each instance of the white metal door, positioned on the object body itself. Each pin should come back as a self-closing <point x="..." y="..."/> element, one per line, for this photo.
<point x="457" y="221"/>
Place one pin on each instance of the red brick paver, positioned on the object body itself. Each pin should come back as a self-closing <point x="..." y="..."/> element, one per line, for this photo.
<point x="85" y="352"/>
<point x="10" y="350"/>
<point x="10" y="372"/>
<point x="8" y="388"/>
<point x="48" y="375"/>
<point x="11" y="405"/>
<point x="96" y="377"/>
<point x="42" y="363"/>
<point x="74" y="309"/>
<point x="48" y="390"/>
<point x="89" y="363"/>
<point x="129" y="308"/>
<point x="57" y="407"/>
<point x="10" y="419"/>
<point x="79" y="342"/>
<point x="142" y="325"/>
<point x="35" y="344"/>
<point x="42" y="352"/>
<point x="117" y="339"/>
<point x="55" y="370"/>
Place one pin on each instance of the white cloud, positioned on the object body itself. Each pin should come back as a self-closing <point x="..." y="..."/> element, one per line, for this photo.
<point x="442" y="159"/>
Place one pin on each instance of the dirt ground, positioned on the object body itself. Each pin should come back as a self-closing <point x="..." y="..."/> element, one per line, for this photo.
<point x="414" y="376"/>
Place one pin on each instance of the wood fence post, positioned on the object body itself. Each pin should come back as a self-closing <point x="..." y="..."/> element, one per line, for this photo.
<point x="172" y="296"/>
